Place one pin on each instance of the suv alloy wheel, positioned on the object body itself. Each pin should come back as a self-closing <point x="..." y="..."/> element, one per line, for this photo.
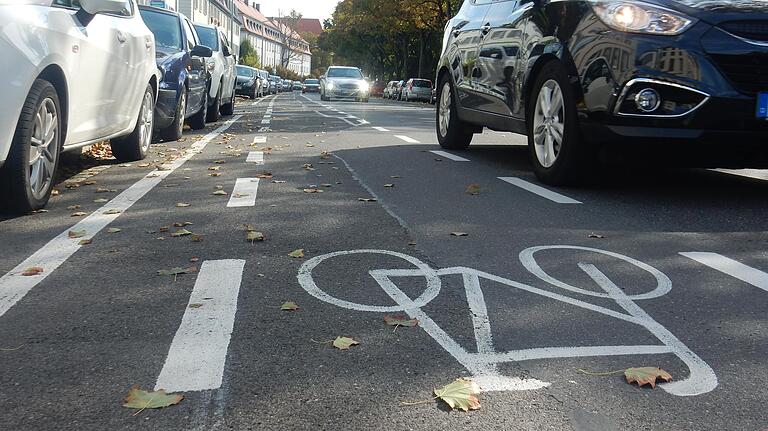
<point x="452" y="133"/>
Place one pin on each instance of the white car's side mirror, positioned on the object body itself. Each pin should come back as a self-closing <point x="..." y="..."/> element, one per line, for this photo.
<point x="93" y="7"/>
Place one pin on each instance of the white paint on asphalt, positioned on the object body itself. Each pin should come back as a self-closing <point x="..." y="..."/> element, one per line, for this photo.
<point x="483" y="364"/>
<point x="731" y="267"/>
<point x="449" y="156"/>
<point x="380" y="129"/>
<point x="407" y="139"/>
<point x="539" y="190"/>
<point x="244" y="193"/>
<point x="260" y="139"/>
<point x="758" y="174"/>
<point x="195" y="361"/>
<point x="256" y="157"/>
<point x="13" y="285"/>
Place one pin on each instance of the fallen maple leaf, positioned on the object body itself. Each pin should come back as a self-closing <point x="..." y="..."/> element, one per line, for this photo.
<point x="112" y="211"/>
<point x="85" y="241"/>
<point x="78" y="214"/>
<point x="182" y="204"/>
<point x="73" y="207"/>
<point x="646" y="375"/>
<point x="33" y="270"/>
<point x="100" y="201"/>
<point x="459" y="234"/>
<point x="253" y="235"/>
<point x="182" y="224"/>
<point x="76" y="234"/>
<point x="389" y="185"/>
<point x="312" y="191"/>
<point x="461" y="394"/>
<point x="140" y="399"/>
<point x="113" y="230"/>
<point x="400" y="321"/>
<point x="367" y="199"/>
<point x="344" y="343"/>
<point x="594" y="235"/>
<point x="297" y="253"/>
<point x="289" y="306"/>
<point x="181" y="232"/>
<point x="473" y="189"/>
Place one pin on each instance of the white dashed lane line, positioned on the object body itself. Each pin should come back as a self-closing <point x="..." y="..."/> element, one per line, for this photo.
<point x="260" y="139"/>
<point x="538" y="190"/>
<point x="256" y="157"/>
<point x="380" y="129"/>
<point x="244" y="193"/>
<point x="731" y="267"/>
<point x="195" y="361"/>
<point x="449" y="156"/>
<point x="407" y="139"/>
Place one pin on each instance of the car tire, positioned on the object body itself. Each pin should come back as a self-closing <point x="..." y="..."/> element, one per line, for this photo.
<point x="18" y="192"/>
<point x="213" y="113"/>
<point x="555" y="164"/>
<point x="323" y="98"/>
<point x="229" y="107"/>
<point x="174" y="131"/>
<point x="197" y="121"/>
<point x="452" y="133"/>
<point x="136" y="145"/>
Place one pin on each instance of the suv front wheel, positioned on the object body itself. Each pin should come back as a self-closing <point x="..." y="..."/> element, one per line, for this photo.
<point x="452" y="133"/>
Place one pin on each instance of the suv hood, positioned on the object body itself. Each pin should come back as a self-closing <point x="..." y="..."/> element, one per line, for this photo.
<point x="717" y="11"/>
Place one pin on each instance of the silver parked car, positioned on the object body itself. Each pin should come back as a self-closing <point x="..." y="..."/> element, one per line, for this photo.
<point x="417" y="89"/>
<point x="344" y="82"/>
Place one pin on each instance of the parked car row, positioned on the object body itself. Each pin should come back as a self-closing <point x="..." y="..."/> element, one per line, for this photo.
<point x="414" y="89"/>
<point x="84" y="71"/>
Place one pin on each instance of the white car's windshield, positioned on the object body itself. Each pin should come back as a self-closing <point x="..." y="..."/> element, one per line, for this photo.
<point x="207" y="37"/>
<point x="344" y="73"/>
<point x="165" y="28"/>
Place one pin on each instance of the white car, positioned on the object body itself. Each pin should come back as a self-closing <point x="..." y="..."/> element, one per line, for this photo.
<point x="74" y="73"/>
<point x="221" y="66"/>
<point x="344" y="82"/>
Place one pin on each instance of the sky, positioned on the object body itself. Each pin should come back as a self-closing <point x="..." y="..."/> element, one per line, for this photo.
<point x="320" y="9"/>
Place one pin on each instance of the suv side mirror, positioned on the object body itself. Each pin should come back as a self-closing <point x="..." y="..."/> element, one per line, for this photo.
<point x="201" y="51"/>
<point x="225" y="51"/>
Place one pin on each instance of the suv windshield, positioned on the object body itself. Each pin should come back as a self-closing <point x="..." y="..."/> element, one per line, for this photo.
<point x="207" y="37"/>
<point x="244" y="71"/>
<point x="165" y="27"/>
<point x="310" y="81"/>
<point x="337" y="72"/>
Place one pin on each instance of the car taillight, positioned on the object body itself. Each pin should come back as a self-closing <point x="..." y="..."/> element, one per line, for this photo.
<point x="410" y="86"/>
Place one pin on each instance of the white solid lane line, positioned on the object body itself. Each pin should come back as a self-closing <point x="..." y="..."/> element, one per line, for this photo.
<point x="195" y="361"/>
<point x="244" y="193"/>
<point x="380" y="129"/>
<point x="538" y="190"/>
<point x="13" y="285"/>
<point x="256" y="157"/>
<point x="407" y="139"/>
<point x="731" y="267"/>
<point x="450" y="156"/>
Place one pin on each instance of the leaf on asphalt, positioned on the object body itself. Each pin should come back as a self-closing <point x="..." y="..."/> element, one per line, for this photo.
<point x="194" y="259"/>
<point x="215" y="174"/>
<point x="308" y="166"/>
<point x="112" y="211"/>
<point x="646" y="375"/>
<point x="253" y="236"/>
<point x="104" y="190"/>
<point x="367" y="199"/>
<point x="461" y="394"/>
<point x="459" y="234"/>
<point x="113" y="230"/>
<point x="182" y="204"/>
<point x="219" y="193"/>
<point x="40" y="211"/>
<point x="344" y="343"/>
<point x="78" y="214"/>
<point x="85" y="241"/>
<point x="76" y="233"/>
<point x="164" y="229"/>
<point x="264" y="175"/>
<point x="240" y="195"/>
<point x="195" y="305"/>
<point x="143" y="165"/>
<point x="278" y="181"/>
<point x="100" y="200"/>
<point x="32" y="270"/>
<point x="73" y="207"/>
<point x="219" y="162"/>
<point x="473" y="189"/>
<point x="140" y="399"/>
<point x="181" y="232"/>
<point x="399" y="321"/>
<point x="214" y="168"/>
<point x="394" y="176"/>
<point x="289" y="306"/>
<point x="594" y="235"/>
<point x="312" y="191"/>
<point x="182" y="224"/>
<point x="197" y="238"/>
<point x="297" y="253"/>
<point x="177" y="270"/>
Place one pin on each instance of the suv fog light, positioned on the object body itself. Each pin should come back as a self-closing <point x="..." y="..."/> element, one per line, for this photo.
<point x="647" y="100"/>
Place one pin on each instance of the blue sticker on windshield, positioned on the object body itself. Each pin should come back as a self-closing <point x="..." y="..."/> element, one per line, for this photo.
<point x="762" y="105"/>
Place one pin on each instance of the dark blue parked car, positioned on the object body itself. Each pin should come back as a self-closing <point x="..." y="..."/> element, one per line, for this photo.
<point x="183" y="93"/>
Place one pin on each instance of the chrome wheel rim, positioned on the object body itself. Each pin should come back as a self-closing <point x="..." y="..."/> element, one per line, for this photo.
<point x="549" y="123"/>
<point x="146" y="122"/>
<point x="44" y="146"/>
<point x="182" y="111"/>
<point x="444" y="109"/>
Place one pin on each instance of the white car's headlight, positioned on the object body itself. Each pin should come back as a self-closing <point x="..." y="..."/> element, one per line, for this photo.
<point x="640" y="17"/>
<point x="364" y="86"/>
<point x="329" y="85"/>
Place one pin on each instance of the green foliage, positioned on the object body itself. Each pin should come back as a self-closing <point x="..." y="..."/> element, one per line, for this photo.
<point x="248" y="55"/>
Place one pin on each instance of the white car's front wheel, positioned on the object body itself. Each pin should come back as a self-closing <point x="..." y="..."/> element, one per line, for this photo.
<point x="136" y="145"/>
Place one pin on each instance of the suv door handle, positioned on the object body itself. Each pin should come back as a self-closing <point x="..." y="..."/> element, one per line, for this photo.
<point x="485" y="29"/>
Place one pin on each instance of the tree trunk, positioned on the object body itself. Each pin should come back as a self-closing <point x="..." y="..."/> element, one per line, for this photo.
<point x="421" y="54"/>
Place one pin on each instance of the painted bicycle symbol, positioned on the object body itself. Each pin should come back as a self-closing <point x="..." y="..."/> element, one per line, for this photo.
<point x="483" y="363"/>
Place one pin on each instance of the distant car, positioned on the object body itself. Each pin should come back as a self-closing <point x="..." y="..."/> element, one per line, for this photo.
<point x="417" y="89"/>
<point x="311" y="86"/>
<point x="297" y="85"/>
<point x="344" y="82"/>
<point x="221" y="67"/>
<point x="389" y="89"/>
<point x="248" y="82"/>
<point x="397" y="93"/>
<point x="278" y="83"/>
<point x="74" y="73"/>
<point x="182" y="60"/>
<point x="264" y="81"/>
<point x="287" y="85"/>
<point x="377" y="88"/>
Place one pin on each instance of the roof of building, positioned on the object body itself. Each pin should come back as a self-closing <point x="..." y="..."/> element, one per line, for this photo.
<point x="309" y="25"/>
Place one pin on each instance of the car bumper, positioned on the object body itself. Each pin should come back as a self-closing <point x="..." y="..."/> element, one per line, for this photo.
<point x="165" y="109"/>
<point x="346" y="93"/>
<point x="311" y="89"/>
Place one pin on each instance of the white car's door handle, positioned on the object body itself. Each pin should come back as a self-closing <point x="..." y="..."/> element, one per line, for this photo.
<point x="121" y="37"/>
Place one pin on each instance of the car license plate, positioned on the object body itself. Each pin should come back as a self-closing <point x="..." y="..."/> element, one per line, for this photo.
<point x="762" y="106"/>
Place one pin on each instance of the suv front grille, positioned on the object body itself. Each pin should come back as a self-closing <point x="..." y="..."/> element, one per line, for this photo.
<point x="749" y="73"/>
<point x="752" y="30"/>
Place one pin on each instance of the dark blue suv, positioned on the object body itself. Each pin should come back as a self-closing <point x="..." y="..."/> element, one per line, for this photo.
<point x="183" y="93"/>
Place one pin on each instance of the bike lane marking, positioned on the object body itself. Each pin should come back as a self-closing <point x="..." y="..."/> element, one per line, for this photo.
<point x="539" y="190"/>
<point x="14" y="286"/>
<point x="731" y="267"/>
<point x="380" y="129"/>
<point x="449" y="156"/>
<point x="244" y="193"/>
<point x="197" y="355"/>
<point x="256" y="157"/>
<point x="407" y="139"/>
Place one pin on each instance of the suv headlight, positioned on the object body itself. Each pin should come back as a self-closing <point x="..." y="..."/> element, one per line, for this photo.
<point x="364" y="86"/>
<point x="639" y="17"/>
<point x="329" y="85"/>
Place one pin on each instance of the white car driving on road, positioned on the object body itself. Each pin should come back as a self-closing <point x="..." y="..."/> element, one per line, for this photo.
<point x="74" y="73"/>
<point x="221" y="66"/>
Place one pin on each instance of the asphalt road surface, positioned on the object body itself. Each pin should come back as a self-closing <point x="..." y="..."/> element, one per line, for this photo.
<point x="541" y="290"/>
